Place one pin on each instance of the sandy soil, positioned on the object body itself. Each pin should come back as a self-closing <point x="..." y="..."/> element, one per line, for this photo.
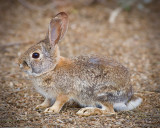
<point x="133" y="40"/>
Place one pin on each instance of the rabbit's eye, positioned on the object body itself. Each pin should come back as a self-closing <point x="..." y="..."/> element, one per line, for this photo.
<point x="35" y="55"/>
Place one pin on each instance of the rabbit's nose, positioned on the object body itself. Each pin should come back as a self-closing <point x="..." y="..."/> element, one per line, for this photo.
<point x="23" y="65"/>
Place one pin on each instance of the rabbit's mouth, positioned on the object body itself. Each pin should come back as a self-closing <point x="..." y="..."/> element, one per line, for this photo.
<point x="26" y="68"/>
<point x="31" y="73"/>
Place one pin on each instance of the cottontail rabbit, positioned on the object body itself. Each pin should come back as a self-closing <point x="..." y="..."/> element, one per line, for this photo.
<point x="99" y="84"/>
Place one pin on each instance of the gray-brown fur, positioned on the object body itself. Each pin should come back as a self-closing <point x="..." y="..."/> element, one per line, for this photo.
<point x="83" y="79"/>
<point x="89" y="80"/>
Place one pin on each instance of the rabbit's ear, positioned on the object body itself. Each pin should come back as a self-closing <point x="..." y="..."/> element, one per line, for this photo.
<point x="57" y="28"/>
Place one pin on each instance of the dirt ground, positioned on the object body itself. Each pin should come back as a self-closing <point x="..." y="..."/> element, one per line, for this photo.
<point x="133" y="39"/>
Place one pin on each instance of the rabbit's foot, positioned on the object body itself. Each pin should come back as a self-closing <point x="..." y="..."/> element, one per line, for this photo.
<point x="41" y="106"/>
<point x="88" y="111"/>
<point x="45" y="104"/>
<point x="51" y="110"/>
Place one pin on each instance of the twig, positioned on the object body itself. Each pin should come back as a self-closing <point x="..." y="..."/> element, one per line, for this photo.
<point x="148" y="92"/>
<point x="114" y="14"/>
<point x="28" y="5"/>
<point x="14" y="43"/>
<point x="52" y="5"/>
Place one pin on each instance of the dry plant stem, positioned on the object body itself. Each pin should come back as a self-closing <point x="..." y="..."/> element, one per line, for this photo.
<point x="28" y="5"/>
<point x="52" y="5"/>
<point x="14" y="43"/>
<point x="114" y="15"/>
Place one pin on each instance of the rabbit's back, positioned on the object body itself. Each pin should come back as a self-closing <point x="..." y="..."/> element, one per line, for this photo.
<point x="101" y="70"/>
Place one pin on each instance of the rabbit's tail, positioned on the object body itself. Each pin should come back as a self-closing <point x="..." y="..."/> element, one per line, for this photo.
<point x="131" y="104"/>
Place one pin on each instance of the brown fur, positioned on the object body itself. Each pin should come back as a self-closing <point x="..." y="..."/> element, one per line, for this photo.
<point x="90" y="80"/>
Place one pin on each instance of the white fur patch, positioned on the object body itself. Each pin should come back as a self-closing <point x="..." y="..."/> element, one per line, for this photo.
<point x="101" y="94"/>
<point x="126" y="107"/>
<point x="133" y="104"/>
<point x="104" y="107"/>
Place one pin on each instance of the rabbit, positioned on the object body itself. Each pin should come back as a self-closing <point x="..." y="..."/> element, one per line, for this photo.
<point x="100" y="85"/>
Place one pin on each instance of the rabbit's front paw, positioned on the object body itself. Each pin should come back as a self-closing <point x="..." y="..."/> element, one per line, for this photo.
<point x="51" y="110"/>
<point x="45" y="104"/>
<point x="41" y="106"/>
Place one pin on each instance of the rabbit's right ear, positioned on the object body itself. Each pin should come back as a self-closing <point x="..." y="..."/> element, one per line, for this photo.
<point x="57" y="28"/>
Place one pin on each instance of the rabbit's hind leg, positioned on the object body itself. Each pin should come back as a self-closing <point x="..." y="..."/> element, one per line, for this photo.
<point x="105" y="109"/>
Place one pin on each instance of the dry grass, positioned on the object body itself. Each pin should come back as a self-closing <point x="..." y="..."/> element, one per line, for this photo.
<point x="134" y="40"/>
